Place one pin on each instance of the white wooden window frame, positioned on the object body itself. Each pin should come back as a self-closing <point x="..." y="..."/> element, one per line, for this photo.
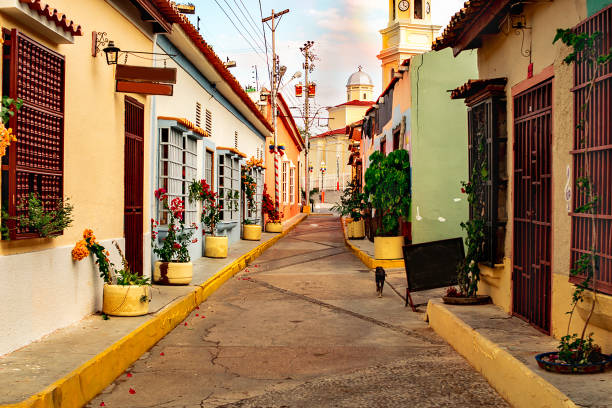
<point x="292" y="184"/>
<point x="228" y="171"/>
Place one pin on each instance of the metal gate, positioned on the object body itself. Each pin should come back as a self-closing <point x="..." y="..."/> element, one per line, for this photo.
<point x="133" y="177"/>
<point x="532" y="205"/>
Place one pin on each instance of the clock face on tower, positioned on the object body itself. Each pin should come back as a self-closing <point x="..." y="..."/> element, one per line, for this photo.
<point x="427" y="8"/>
<point x="404" y="5"/>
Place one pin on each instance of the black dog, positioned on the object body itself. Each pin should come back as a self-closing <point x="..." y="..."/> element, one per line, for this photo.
<point x="380" y="280"/>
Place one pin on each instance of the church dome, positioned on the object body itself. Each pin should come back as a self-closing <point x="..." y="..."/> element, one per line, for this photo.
<point x="359" y="78"/>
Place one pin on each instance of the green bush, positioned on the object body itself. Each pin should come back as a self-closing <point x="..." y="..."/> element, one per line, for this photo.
<point x="388" y="189"/>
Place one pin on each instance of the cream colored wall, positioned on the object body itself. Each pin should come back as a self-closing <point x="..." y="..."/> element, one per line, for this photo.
<point x="357" y="92"/>
<point x="500" y="56"/>
<point x="94" y="126"/>
<point x="42" y="288"/>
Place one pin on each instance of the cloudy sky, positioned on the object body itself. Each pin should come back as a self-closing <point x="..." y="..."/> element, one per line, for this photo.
<point x="345" y="33"/>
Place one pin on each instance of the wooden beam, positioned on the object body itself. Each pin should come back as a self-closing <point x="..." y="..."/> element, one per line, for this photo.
<point x="153" y="14"/>
<point x="478" y="25"/>
<point x="136" y="73"/>
<point x="144" y="88"/>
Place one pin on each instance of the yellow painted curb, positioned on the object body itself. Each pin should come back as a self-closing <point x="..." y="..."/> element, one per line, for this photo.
<point x="366" y="259"/>
<point x="83" y="384"/>
<point x="514" y="381"/>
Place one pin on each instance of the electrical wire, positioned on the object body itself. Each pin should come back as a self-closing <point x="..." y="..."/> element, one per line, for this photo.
<point x="263" y="28"/>
<point x="246" y="30"/>
<point x="239" y="32"/>
<point x="250" y="20"/>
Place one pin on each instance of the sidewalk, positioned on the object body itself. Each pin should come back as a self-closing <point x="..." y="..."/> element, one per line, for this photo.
<point x="364" y="250"/>
<point x="503" y="347"/>
<point x="70" y="366"/>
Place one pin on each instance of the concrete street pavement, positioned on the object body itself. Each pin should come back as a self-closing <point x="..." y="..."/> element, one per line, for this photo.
<point x="302" y="327"/>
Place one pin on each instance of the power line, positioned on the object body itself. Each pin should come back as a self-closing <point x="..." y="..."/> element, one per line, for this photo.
<point x="239" y="32"/>
<point x="249" y="19"/>
<point x="246" y="30"/>
<point x="263" y="28"/>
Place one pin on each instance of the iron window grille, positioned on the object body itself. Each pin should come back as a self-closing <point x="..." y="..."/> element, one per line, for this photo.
<point x="35" y="163"/>
<point x="487" y="143"/>
<point x="178" y="168"/>
<point x="229" y="187"/>
<point x="598" y="146"/>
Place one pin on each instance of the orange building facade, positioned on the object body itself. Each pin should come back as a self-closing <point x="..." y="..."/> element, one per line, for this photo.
<point x="290" y="167"/>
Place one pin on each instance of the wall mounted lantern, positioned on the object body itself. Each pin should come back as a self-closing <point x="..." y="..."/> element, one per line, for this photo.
<point x="112" y="53"/>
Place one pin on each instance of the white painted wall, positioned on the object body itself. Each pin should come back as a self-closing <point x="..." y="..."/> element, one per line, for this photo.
<point x="46" y="290"/>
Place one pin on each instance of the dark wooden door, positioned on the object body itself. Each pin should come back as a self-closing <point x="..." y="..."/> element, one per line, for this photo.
<point x="134" y="178"/>
<point x="532" y="205"/>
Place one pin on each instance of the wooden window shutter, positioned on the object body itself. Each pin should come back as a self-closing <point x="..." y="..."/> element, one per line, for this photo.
<point x="36" y="160"/>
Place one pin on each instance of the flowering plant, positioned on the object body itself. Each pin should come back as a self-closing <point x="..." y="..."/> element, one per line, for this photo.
<point x="249" y="187"/>
<point x="7" y="110"/>
<point x="267" y="207"/>
<point x="211" y="210"/>
<point x="88" y="245"/>
<point x="174" y="247"/>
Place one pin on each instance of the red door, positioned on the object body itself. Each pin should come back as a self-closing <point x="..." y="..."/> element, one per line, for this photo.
<point x="133" y="178"/>
<point x="532" y="205"/>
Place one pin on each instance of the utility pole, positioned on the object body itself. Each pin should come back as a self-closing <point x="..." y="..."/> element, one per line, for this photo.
<point x="308" y="67"/>
<point x="274" y="81"/>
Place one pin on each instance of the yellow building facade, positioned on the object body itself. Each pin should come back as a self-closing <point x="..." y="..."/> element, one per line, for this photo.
<point x="43" y="289"/>
<point x="409" y="32"/>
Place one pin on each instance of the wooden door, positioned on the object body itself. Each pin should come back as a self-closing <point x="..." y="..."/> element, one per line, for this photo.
<point x="134" y="179"/>
<point x="532" y="205"/>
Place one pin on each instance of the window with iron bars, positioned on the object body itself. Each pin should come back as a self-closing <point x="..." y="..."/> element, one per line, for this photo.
<point x="229" y="187"/>
<point x="177" y="169"/>
<point x="487" y="143"/>
<point x="594" y="140"/>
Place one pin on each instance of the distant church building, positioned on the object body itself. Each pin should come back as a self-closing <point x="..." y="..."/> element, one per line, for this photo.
<point x="330" y="150"/>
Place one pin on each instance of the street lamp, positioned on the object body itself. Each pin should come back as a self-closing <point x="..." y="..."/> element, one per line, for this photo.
<point x="112" y="53"/>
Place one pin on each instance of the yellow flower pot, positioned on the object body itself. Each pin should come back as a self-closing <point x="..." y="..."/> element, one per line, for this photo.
<point x="251" y="232"/>
<point x="388" y="247"/>
<point x="356" y="229"/>
<point x="173" y="273"/>
<point x="215" y="247"/>
<point x="306" y="209"/>
<point x="122" y="300"/>
<point x="274" y="227"/>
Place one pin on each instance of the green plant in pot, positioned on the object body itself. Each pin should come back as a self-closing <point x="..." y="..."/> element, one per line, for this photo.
<point x="250" y="230"/>
<point x="578" y="353"/>
<point x="273" y="216"/>
<point x="351" y="205"/>
<point x="388" y="190"/>
<point x="174" y="266"/>
<point x="214" y="246"/>
<point x="126" y="293"/>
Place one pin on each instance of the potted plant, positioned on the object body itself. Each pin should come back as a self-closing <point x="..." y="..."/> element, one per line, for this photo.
<point x="48" y="223"/>
<point x="250" y="230"/>
<point x="214" y="246"/>
<point x="125" y="293"/>
<point x="174" y="266"/>
<point x="578" y="353"/>
<point x="351" y="206"/>
<point x="388" y="188"/>
<point x="274" y="217"/>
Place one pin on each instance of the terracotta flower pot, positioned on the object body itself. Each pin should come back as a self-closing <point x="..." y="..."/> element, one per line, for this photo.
<point x="388" y="247"/>
<point x="355" y="229"/>
<point x="251" y="232"/>
<point x="173" y="273"/>
<point x="274" y="227"/>
<point x="124" y="300"/>
<point x="215" y="247"/>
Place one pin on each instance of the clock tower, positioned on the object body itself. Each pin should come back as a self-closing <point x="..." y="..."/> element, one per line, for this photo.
<point x="409" y="32"/>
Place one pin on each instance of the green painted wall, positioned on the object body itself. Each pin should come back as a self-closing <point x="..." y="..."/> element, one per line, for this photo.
<point x="438" y="144"/>
<point x="593" y="6"/>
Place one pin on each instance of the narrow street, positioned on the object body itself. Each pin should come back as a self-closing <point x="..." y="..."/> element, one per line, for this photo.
<point x="302" y="327"/>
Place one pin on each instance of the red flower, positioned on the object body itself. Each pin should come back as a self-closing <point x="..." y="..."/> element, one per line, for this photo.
<point x="193" y="241"/>
<point x="197" y="314"/>
<point x="160" y="193"/>
<point x="463" y="190"/>
<point x="185" y="323"/>
<point x="102" y="404"/>
<point x="129" y="375"/>
<point x="176" y="245"/>
<point x="162" y="354"/>
<point x="132" y="391"/>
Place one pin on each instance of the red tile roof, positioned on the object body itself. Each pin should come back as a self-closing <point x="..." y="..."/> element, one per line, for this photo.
<point x="340" y="131"/>
<point x="473" y="86"/>
<point x="356" y="102"/>
<point x="171" y="13"/>
<point x="464" y="19"/>
<point x="54" y="16"/>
